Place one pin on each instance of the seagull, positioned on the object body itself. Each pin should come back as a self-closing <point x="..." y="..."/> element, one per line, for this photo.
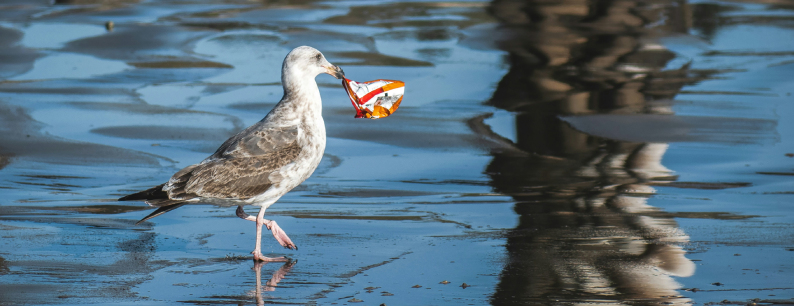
<point x="263" y="162"/>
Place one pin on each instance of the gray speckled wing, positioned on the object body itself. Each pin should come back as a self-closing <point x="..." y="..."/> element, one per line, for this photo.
<point x="241" y="168"/>
<point x="256" y="140"/>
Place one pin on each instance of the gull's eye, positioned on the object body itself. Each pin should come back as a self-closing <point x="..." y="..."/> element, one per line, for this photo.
<point x="318" y="57"/>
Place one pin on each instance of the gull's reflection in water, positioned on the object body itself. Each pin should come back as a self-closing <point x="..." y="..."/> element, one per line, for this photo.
<point x="586" y="231"/>
<point x="271" y="283"/>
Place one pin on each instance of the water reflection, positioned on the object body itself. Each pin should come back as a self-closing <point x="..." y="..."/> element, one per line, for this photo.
<point x="4" y="161"/>
<point x="586" y="231"/>
<point x="271" y="284"/>
<point x="58" y="275"/>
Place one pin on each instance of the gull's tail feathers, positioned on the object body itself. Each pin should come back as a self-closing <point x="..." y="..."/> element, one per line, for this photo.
<point x="154" y="193"/>
<point x="161" y="210"/>
<point x="155" y="197"/>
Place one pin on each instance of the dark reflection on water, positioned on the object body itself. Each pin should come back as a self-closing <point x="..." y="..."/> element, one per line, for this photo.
<point x="585" y="230"/>
<point x="270" y="285"/>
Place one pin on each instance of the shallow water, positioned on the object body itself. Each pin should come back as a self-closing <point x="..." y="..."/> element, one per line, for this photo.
<point x="545" y="152"/>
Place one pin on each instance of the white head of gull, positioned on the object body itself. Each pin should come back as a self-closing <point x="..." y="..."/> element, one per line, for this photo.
<point x="263" y="162"/>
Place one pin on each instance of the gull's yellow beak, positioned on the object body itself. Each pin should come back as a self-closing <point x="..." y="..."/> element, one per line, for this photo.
<point x="335" y="71"/>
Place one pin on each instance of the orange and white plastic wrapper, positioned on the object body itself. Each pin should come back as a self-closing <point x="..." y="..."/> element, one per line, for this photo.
<point x="375" y="99"/>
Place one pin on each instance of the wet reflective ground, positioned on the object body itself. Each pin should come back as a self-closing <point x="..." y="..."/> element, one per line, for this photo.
<point x="546" y="152"/>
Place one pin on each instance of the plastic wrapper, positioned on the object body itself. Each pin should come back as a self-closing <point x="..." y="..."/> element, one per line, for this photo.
<point x="375" y="99"/>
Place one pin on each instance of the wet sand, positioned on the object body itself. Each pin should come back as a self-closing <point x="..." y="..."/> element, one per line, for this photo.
<point x="546" y="153"/>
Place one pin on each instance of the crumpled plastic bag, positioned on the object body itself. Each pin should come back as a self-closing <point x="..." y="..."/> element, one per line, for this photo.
<point x="375" y="99"/>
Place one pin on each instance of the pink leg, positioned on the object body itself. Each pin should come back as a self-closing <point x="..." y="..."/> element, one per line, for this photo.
<point x="278" y="233"/>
